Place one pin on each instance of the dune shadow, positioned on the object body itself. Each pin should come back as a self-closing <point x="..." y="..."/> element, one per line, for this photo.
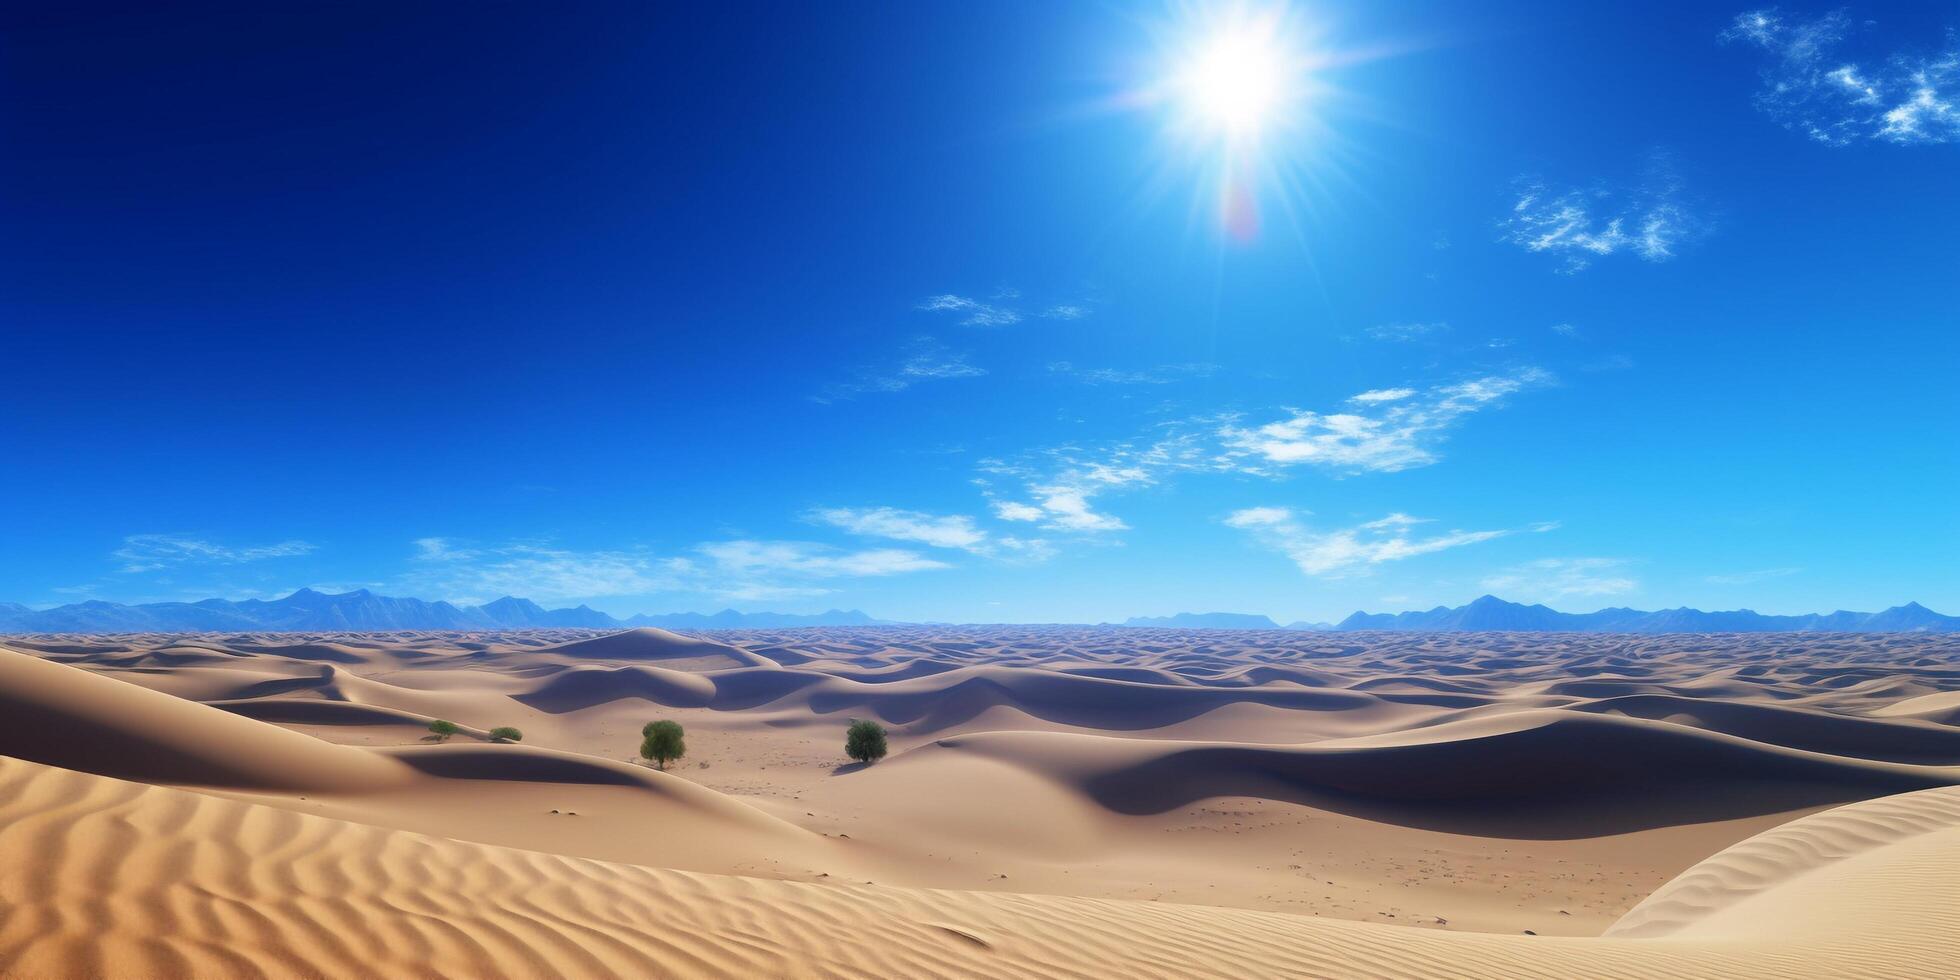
<point x="1557" y="783"/>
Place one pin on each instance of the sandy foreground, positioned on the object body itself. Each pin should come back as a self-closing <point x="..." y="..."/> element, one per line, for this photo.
<point x="1058" y="801"/>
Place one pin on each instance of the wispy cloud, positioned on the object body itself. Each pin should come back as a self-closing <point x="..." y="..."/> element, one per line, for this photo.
<point x="744" y="569"/>
<point x="1405" y="332"/>
<point x="1058" y="487"/>
<point x="1382" y="430"/>
<point x="442" y="549"/>
<point x="1347" y="551"/>
<point x="1062" y="500"/>
<point x="922" y="360"/>
<point x="1751" y="578"/>
<point x="748" y="559"/>
<point x="1380" y="395"/>
<point x="543" y="572"/>
<point x="1008" y="510"/>
<point x="956" y="531"/>
<point x="1549" y="579"/>
<point x="153" y="552"/>
<point x="999" y="310"/>
<point x="1066" y="507"/>
<point x="1648" y="219"/>
<point x="950" y="531"/>
<point x="1904" y="97"/>
<point x="1162" y="374"/>
<point x="1386" y="430"/>
<point x="972" y="312"/>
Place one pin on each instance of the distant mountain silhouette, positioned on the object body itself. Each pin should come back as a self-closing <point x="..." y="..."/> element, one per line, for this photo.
<point x="363" y="611"/>
<point x="1206" y="621"/>
<point x="1492" y="613"/>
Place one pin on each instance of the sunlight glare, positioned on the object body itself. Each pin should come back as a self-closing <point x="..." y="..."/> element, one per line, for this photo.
<point x="1234" y="80"/>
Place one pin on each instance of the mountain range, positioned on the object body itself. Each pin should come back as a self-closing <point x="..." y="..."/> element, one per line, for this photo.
<point x="1492" y="613"/>
<point x="363" y="611"/>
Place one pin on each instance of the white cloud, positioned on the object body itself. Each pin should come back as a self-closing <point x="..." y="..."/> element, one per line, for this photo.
<point x="973" y="313"/>
<point x="1260" y="517"/>
<point x="1067" y="508"/>
<point x="1382" y="430"/>
<point x="1550" y="579"/>
<point x="441" y="549"/>
<point x="749" y="570"/>
<point x="1647" y="219"/>
<point x="536" y="571"/>
<point x="1750" y="578"/>
<point x="1383" y="395"/>
<point x="1065" y="505"/>
<point x="997" y="313"/>
<point x="1162" y="374"/>
<point x="1388" y="430"/>
<point x="745" y="558"/>
<point x="765" y="592"/>
<point x="922" y="360"/>
<point x="955" y="531"/>
<point x="1008" y="510"/>
<point x="1905" y="97"/>
<point x="1346" y="551"/>
<point x="1404" y="332"/>
<point x="1023" y="549"/>
<point x="1060" y="491"/>
<point x="153" y="552"/>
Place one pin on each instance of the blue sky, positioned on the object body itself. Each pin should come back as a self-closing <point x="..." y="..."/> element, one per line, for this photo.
<point x="977" y="312"/>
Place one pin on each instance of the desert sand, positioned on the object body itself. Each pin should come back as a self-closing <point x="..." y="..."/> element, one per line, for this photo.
<point x="1057" y="802"/>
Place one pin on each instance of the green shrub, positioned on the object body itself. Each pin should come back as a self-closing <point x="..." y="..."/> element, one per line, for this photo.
<point x="506" y="734"/>
<point x="865" y="741"/>
<point x="443" y="729"/>
<point x="663" y="742"/>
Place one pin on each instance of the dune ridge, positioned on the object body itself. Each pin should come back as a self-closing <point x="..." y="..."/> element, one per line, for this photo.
<point x="1690" y="903"/>
<point x="1558" y="758"/>
<point x="70" y="718"/>
<point x="205" y="886"/>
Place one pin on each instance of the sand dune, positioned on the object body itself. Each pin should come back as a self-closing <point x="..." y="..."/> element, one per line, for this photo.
<point x="290" y="894"/>
<point x="70" y="718"/>
<point x="673" y="650"/>
<point x="74" y="719"/>
<point x="1527" y="774"/>
<point x="1058" y="802"/>
<point x="1725" y="894"/>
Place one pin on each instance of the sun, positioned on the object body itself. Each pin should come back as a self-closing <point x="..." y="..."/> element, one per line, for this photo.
<point x="1233" y="81"/>
<point x="1245" y="96"/>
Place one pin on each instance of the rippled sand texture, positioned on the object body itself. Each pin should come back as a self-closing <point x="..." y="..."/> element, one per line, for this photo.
<point x="1060" y="802"/>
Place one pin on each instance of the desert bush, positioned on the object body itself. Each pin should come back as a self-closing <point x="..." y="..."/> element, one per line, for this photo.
<point x="664" y="741"/>
<point x="443" y="729"/>
<point x="865" y="741"/>
<point x="506" y="733"/>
